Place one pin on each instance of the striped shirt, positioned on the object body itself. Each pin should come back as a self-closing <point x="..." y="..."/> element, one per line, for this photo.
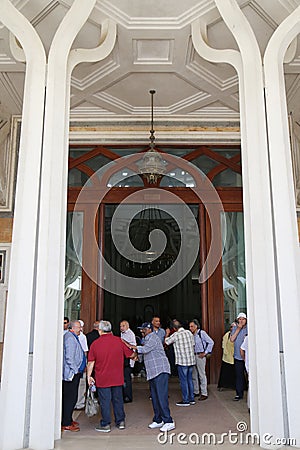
<point x="155" y="358"/>
<point x="184" y="343"/>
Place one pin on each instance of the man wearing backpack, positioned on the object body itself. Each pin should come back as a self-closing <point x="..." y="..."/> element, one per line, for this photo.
<point x="203" y="347"/>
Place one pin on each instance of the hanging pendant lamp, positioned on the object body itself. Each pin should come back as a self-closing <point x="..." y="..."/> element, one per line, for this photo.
<point x="152" y="166"/>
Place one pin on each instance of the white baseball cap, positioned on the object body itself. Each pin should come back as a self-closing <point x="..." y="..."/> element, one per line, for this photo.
<point x="242" y="316"/>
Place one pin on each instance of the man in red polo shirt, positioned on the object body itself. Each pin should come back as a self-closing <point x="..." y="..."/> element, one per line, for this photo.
<point x="106" y="357"/>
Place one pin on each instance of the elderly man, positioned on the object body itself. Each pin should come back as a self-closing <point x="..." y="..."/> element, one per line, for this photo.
<point x="74" y="363"/>
<point x="128" y="336"/>
<point x="203" y="347"/>
<point x="106" y="357"/>
<point x="158" y="371"/>
<point x="184" y="343"/>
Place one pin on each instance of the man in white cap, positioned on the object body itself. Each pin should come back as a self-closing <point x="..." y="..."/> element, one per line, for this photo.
<point x="237" y="337"/>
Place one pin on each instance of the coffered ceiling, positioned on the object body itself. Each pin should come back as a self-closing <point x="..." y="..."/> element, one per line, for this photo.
<point x="153" y="50"/>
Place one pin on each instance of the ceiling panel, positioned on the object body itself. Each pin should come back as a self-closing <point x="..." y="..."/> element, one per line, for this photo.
<point x="153" y="51"/>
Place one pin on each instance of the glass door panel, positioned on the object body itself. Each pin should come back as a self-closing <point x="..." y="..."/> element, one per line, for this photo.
<point x="233" y="266"/>
<point x="73" y="265"/>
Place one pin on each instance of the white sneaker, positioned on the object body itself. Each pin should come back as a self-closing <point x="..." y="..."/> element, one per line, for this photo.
<point x="155" y="425"/>
<point x="168" y="427"/>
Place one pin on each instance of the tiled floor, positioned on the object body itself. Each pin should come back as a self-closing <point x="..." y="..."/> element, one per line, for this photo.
<point x="218" y="414"/>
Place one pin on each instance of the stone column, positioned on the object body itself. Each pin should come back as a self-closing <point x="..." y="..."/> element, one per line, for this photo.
<point x="284" y="210"/>
<point x="47" y="364"/>
<point x="267" y="413"/>
<point x="18" y="344"/>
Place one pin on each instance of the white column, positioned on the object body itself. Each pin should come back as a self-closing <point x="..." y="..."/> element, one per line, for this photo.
<point x="285" y="225"/>
<point x="265" y="378"/>
<point x="18" y="332"/>
<point x="47" y="357"/>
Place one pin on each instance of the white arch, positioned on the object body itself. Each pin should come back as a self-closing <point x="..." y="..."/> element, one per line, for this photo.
<point x="47" y="367"/>
<point x="17" y="345"/>
<point x="285" y="226"/>
<point x="266" y="409"/>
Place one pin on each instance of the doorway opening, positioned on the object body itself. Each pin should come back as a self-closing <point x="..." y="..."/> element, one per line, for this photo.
<point x="108" y="178"/>
<point x="183" y="300"/>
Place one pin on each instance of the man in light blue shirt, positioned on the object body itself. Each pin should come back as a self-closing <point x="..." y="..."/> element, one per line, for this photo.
<point x="161" y="333"/>
<point x="203" y="347"/>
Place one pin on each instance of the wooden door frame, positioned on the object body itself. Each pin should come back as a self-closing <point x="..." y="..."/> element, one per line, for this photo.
<point x="212" y="298"/>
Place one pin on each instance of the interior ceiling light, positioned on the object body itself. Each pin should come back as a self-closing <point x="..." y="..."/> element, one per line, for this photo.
<point x="152" y="166"/>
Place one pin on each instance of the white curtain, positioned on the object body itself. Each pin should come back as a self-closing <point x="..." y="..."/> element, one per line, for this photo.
<point x="73" y="260"/>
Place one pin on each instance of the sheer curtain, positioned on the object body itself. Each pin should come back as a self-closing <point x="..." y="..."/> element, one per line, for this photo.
<point x="233" y="264"/>
<point x="73" y="261"/>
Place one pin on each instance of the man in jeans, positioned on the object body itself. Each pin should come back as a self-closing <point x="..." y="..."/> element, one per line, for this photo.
<point x="158" y="372"/>
<point x="106" y="357"/>
<point x="184" y="343"/>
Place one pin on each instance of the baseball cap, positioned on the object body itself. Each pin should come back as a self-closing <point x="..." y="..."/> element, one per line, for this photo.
<point x="242" y="316"/>
<point x="145" y="325"/>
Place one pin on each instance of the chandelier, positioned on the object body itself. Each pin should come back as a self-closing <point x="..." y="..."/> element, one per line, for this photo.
<point x="152" y="166"/>
<point x="149" y="263"/>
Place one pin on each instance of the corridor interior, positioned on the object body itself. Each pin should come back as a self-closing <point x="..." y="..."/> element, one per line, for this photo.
<point x="218" y="414"/>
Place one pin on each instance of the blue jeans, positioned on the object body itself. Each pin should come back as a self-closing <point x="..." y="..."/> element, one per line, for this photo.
<point x="186" y="383"/>
<point x="159" y="393"/>
<point x="107" y="395"/>
<point x="239" y="367"/>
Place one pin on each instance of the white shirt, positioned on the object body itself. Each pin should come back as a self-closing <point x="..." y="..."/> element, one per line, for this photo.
<point x="129" y="337"/>
<point x="83" y="341"/>
<point x="244" y="347"/>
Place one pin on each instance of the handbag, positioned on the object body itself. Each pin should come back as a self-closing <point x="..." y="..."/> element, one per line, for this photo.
<point x="91" y="404"/>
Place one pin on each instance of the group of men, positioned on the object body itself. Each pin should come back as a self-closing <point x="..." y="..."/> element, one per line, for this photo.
<point x="106" y="369"/>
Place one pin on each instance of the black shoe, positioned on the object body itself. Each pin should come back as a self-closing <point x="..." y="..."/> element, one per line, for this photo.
<point x="183" y="404"/>
<point x="237" y="398"/>
<point x="127" y="400"/>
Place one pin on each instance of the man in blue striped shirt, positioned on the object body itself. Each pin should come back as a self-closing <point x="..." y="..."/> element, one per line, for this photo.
<point x="158" y="371"/>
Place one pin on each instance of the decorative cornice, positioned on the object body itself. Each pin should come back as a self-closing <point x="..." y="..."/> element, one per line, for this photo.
<point x="163" y="137"/>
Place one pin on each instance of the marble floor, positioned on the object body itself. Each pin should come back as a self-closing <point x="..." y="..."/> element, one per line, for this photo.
<point x="226" y="421"/>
